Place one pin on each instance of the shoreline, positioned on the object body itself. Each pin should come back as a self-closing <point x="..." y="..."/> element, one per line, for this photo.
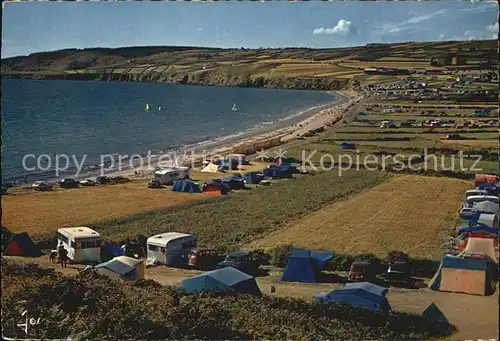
<point x="241" y="143"/>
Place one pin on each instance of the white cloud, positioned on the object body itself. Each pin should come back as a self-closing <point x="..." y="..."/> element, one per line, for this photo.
<point x="410" y="23"/>
<point x="492" y="31"/>
<point x="343" y="27"/>
<point x="441" y="36"/>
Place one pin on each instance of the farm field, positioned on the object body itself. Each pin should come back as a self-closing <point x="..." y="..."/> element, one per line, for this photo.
<point x="407" y="213"/>
<point x="228" y="221"/>
<point x="49" y="211"/>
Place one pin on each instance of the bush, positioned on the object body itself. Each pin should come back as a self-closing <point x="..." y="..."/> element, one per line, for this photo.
<point x="280" y="254"/>
<point x="95" y="307"/>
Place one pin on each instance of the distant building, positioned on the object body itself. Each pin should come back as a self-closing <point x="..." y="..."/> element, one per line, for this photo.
<point x="462" y="58"/>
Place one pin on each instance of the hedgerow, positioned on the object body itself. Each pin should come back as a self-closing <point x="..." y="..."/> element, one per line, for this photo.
<point x="342" y="262"/>
<point x="89" y="306"/>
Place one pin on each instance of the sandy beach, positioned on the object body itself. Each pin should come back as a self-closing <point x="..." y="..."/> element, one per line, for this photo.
<point x="248" y="146"/>
<point x="193" y="156"/>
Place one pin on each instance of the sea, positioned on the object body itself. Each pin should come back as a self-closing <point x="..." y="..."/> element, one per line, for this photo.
<point x="84" y="120"/>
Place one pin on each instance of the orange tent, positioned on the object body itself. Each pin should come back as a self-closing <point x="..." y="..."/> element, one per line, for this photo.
<point x="482" y="179"/>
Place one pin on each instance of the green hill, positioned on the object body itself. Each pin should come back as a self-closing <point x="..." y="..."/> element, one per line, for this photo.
<point x="276" y="68"/>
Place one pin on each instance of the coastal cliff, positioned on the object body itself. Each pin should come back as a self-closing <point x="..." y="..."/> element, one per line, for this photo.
<point x="288" y="68"/>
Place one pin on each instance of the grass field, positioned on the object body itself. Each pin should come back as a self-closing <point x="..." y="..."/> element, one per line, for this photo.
<point x="49" y="211"/>
<point x="408" y="213"/>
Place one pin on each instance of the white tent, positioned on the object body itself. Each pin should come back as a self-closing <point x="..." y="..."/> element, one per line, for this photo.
<point x="488" y="219"/>
<point x="211" y="168"/>
<point x="487" y="206"/>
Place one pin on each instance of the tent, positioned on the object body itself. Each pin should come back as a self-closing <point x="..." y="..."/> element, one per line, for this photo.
<point x="434" y="314"/>
<point x="227" y="164"/>
<point x="278" y="172"/>
<point x="21" y="244"/>
<point x="482" y="179"/>
<point x="210" y="168"/>
<point x="469" y="276"/>
<point x="234" y="183"/>
<point x="305" y="265"/>
<point x="138" y="264"/>
<point x="363" y="295"/>
<point x="109" y="251"/>
<point x="186" y="186"/>
<point x="253" y="178"/>
<point x="286" y="161"/>
<point x="225" y="279"/>
<point x="347" y="145"/>
<point x="122" y="268"/>
<point x="482" y="245"/>
<point x="216" y="186"/>
<point x="486" y="207"/>
<point x="492" y="189"/>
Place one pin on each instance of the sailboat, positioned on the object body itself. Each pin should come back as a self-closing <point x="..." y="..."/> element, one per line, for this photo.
<point x="147" y="107"/>
<point x="234" y="107"/>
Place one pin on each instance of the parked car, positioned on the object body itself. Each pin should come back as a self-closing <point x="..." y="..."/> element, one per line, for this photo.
<point x="362" y="272"/>
<point x="119" y="179"/>
<point x="466" y="213"/>
<point x="41" y="186"/>
<point x="398" y="272"/>
<point x="154" y="184"/>
<point x="87" y="182"/>
<point x="68" y="183"/>
<point x="202" y="258"/>
<point x="242" y="261"/>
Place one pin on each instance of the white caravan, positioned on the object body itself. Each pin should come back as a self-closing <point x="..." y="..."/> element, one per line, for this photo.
<point x="169" y="248"/>
<point x="168" y="176"/>
<point x="82" y="243"/>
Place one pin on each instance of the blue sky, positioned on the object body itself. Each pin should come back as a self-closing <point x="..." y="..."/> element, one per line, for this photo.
<point x="34" y="27"/>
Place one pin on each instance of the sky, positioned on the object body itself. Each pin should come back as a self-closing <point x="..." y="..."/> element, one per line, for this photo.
<point x="29" y="27"/>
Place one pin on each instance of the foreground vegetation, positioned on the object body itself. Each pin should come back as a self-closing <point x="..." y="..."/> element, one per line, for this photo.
<point x="88" y="306"/>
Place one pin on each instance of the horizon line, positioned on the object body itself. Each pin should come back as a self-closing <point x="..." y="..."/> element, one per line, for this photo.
<point x="235" y="48"/>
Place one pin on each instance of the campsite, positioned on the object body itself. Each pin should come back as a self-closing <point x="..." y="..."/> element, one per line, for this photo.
<point x="279" y="229"/>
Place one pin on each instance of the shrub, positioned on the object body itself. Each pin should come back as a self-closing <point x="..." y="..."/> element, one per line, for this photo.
<point x="280" y="254"/>
<point x="95" y="307"/>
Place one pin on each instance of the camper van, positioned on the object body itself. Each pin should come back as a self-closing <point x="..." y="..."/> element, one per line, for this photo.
<point x="475" y="192"/>
<point x="168" y="176"/>
<point x="170" y="248"/>
<point x="471" y="200"/>
<point x="82" y="243"/>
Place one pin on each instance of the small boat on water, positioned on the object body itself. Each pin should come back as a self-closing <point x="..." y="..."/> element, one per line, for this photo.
<point x="147" y="107"/>
<point x="234" y="107"/>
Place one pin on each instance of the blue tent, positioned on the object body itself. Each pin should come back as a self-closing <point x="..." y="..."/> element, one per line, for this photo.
<point x="253" y="178"/>
<point x="305" y="265"/>
<point x="234" y="183"/>
<point x="278" y="172"/>
<point x="477" y="228"/>
<point x="186" y="186"/>
<point x="113" y="250"/>
<point x="347" y="145"/>
<point x="364" y="295"/>
<point x="225" y="279"/>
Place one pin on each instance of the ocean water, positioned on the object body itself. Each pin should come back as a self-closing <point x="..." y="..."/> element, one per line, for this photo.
<point x="95" y="118"/>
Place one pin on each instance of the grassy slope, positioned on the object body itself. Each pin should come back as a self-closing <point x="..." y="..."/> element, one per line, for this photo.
<point x="409" y="213"/>
<point x="235" y="219"/>
<point x="261" y="67"/>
